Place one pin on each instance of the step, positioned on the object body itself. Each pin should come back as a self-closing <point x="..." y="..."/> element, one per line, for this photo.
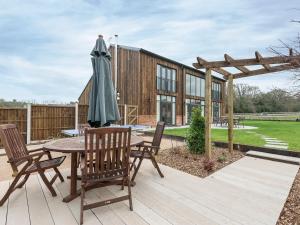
<point x="274" y="157"/>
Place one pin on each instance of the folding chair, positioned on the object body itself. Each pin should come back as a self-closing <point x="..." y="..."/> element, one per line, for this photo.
<point x="148" y="150"/>
<point x="18" y="155"/>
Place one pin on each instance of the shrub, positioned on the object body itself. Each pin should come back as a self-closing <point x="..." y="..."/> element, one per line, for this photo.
<point x="196" y="133"/>
<point x="222" y="158"/>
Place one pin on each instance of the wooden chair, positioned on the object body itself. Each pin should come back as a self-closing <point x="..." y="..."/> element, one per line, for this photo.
<point x="148" y="150"/>
<point x="18" y="155"/>
<point x="105" y="162"/>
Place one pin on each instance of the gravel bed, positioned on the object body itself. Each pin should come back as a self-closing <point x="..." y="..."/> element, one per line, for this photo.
<point x="180" y="158"/>
<point x="290" y="214"/>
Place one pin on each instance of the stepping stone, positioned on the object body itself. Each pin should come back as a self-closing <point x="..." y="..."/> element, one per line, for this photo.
<point x="277" y="143"/>
<point x="274" y="157"/>
<point x="271" y="139"/>
<point x="276" y="146"/>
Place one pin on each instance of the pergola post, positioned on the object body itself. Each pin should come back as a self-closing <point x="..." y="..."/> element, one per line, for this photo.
<point x="208" y="113"/>
<point x="230" y="112"/>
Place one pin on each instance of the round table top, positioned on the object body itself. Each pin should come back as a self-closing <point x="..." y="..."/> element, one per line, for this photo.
<point x="76" y="144"/>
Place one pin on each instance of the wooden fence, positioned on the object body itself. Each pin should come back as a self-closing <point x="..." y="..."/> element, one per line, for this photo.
<point x="47" y="121"/>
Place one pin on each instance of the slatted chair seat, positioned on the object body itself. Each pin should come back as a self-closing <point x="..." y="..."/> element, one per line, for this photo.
<point x="139" y="154"/>
<point x="105" y="162"/>
<point x="24" y="163"/>
<point x="148" y="150"/>
<point x="45" y="164"/>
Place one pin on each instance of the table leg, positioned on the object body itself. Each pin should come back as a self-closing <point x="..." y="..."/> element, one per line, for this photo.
<point x="74" y="193"/>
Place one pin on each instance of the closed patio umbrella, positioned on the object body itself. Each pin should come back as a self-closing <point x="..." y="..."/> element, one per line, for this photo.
<point x="103" y="107"/>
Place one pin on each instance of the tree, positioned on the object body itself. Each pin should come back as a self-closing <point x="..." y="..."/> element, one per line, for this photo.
<point x="290" y="48"/>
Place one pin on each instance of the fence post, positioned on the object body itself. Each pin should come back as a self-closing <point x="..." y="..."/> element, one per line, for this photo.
<point x="28" y="130"/>
<point x="125" y="114"/>
<point x="76" y="115"/>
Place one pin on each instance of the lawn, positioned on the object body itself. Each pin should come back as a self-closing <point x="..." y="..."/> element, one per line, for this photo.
<point x="286" y="131"/>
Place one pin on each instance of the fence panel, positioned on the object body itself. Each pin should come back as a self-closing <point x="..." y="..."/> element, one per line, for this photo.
<point x="82" y="114"/>
<point x="16" y="116"/>
<point x="48" y="121"/>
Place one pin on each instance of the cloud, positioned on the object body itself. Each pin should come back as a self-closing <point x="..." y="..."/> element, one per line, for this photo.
<point x="45" y="45"/>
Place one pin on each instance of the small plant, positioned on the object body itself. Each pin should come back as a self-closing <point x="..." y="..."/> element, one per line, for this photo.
<point x="196" y="133"/>
<point x="209" y="165"/>
<point x="222" y="158"/>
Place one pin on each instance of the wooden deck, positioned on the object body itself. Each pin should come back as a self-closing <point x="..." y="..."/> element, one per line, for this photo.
<point x="249" y="191"/>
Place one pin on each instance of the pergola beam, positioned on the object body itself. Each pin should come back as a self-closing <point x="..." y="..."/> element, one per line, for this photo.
<point x="272" y="69"/>
<point x="259" y="58"/>
<point x="218" y="70"/>
<point x="248" y="62"/>
<point x="230" y="60"/>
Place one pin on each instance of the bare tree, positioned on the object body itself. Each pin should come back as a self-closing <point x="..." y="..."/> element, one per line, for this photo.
<point x="290" y="47"/>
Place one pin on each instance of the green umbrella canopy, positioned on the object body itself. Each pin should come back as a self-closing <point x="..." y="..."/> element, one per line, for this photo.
<point x="103" y="107"/>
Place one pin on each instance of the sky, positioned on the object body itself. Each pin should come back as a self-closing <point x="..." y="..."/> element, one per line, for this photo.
<point x="45" y="45"/>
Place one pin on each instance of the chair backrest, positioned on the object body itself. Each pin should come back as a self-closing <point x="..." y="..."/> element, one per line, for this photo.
<point x="13" y="143"/>
<point x="107" y="153"/>
<point x="158" y="133"/>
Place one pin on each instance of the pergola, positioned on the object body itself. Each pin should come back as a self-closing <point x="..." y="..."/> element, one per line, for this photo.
<point x="267" y="64"/>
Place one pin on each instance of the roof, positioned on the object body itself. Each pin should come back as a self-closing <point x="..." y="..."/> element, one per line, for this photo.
<point x="165" y="59"/>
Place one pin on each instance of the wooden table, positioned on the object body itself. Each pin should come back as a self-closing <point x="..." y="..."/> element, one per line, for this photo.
<point x="74" y="146"/>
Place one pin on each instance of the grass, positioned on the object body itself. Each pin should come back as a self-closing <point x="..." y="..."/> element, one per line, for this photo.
<point x="283" y="130"/>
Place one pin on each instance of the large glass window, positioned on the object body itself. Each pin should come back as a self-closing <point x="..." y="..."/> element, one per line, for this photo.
<point x="166" y="109"/>
<point x="165" y="79"/>
<point x="195" y="86"/>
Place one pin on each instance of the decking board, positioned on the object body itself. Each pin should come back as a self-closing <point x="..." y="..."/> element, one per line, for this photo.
<point x="249" y="191"/>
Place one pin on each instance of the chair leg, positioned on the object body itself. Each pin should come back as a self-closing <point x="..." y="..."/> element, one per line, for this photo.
<point x="133" y="163"/>
<point x="81" y="204"/>
<point x="10" y="189"/>
<point x="47" y="183"/>
<point x="156" y="166"/>
<point x="123" y="184"/>
<point x="59" y="174"/>
<point x="20" y="185"/>
<point x="137" y="169"/>
<point x="129" y="193"/>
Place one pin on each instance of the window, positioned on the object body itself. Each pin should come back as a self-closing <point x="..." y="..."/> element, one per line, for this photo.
<point x="194" y="86"/>
<point x="165" y="79"/>
<point x="188" y="84"/>
<point x="216" y="91"/>
<point x="166" y="109"/>
<point x="198" y="94"/>
<point x="202" y="87"/>
<point x="189" y="105"/>
<point x="216" y="110"/>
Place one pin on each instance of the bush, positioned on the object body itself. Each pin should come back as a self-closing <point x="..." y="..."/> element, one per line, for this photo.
<point x="196" y="132"/>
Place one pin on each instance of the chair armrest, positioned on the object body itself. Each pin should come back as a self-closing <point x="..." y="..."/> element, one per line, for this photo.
<point x="36" y="150"/>
<point x="29" y="157"/>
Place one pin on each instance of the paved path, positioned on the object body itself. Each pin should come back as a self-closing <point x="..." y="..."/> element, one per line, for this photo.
<point x="249" y="191"/>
